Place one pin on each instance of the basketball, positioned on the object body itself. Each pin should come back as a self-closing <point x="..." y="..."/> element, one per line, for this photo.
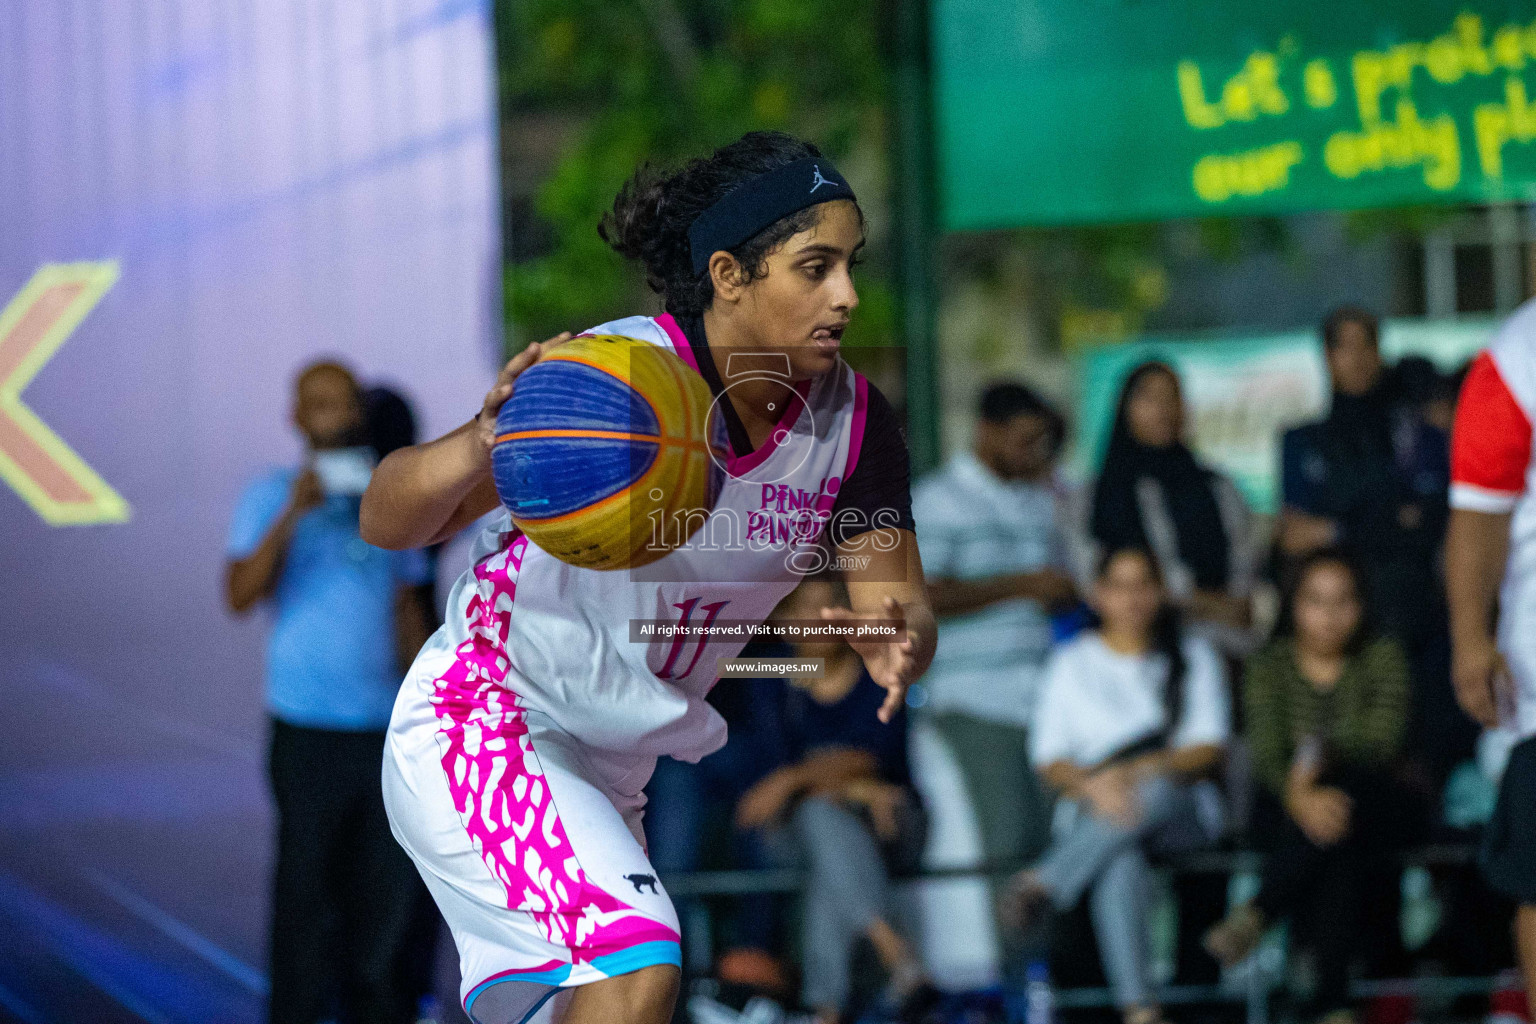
<point x="609" y="452"/>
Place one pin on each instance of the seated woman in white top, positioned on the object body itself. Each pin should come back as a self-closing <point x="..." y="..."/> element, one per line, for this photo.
<point x="1133" y="716"/>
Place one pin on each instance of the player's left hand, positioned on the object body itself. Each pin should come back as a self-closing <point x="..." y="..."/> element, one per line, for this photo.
<point x="891" y="663"/>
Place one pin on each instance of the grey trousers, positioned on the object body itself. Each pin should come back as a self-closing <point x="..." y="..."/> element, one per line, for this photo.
<point x="846" y="890"/>
<point x="1109" y="863"/>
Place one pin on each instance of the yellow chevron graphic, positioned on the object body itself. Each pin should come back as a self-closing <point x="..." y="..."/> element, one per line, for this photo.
<point x="34" y="460"/>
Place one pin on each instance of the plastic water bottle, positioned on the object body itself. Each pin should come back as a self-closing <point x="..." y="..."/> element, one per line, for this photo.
<point x="1039" y="1002"/>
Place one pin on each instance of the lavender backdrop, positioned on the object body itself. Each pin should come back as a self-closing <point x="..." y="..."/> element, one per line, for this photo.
<point x="278" y="179"/>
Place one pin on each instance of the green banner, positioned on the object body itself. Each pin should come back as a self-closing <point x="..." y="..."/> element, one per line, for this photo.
<point x="1073" y="111"/>
<point x="1240" y="394"/>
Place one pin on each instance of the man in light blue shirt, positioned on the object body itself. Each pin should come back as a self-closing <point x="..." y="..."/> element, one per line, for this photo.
<point x="987" y="527"/>
<point x="344" y="620"/>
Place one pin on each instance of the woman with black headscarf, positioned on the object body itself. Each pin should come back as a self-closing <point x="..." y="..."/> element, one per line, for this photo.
<point x="1152" y="492"/>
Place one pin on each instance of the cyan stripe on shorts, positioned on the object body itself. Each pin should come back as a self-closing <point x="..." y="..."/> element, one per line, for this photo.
<point x="646" y="954"/>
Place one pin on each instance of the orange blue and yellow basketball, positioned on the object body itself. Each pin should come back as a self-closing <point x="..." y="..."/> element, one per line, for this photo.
<point x="605" y="439"/>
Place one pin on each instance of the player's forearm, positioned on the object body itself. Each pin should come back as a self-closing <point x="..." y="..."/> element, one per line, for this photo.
<point x="1476" y="546"/>
<point x="417" y="491"/>
<point x="922" y="627"/>
<point x="925" y="630"/>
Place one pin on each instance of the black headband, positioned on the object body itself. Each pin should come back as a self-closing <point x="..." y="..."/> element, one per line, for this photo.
<point x="759" y="202"/>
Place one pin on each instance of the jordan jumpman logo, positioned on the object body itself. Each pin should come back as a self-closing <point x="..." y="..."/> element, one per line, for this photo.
<point x="818" y="181"/>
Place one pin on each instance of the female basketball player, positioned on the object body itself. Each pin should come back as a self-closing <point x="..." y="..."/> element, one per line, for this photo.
<point x="530" y="723"/>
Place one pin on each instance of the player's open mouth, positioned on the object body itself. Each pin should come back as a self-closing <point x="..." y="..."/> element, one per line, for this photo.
<point x="829" y="337"/>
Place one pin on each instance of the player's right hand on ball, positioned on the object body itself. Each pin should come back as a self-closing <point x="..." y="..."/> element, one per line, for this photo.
<point x="485" y="420"/>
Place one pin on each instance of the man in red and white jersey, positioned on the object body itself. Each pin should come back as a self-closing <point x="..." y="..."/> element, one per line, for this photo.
<point x="1490" y="562"/>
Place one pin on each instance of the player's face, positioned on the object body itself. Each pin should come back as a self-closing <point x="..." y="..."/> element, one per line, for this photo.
<point x="805" y="300"/>
<point x="1127" y="594"/>
<point x="1327" y="609"/>
<point x="1354" y="361"/>
<point x="328" y="409"/>
<point x="1154" y="412"/>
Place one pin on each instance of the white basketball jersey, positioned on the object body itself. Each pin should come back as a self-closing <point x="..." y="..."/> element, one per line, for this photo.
<point x="567" y="630"/>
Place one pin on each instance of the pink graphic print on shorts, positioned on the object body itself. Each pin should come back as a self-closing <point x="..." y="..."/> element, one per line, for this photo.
<point x="498" y="785"/>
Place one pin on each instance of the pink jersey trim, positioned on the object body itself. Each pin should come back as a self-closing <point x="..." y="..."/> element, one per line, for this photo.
<point x="736" y="465"/>
<point x="860" y="412"/>
<point x="855" y="445"/>
<point x="679" y="340"/>
<point x="739" y="464"/>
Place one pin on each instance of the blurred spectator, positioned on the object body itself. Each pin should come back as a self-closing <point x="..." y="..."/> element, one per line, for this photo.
<point x="993" y="555"/>
<point x="843" y="806"/>
<point x="1442" y="410"/>
<point x="689" y="810"/>
<point x="1422" y="391"/>
<point x="390" y="424"/>
<point x="1373" y="480"/>
<point x="1153" y="493"/>
<point x="344" y="893"/>
<point x="1327" y="705"/>
<point x="1133" y="720"/>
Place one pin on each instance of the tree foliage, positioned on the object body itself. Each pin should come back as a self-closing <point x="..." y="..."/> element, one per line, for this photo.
<point x="664" y="80"/>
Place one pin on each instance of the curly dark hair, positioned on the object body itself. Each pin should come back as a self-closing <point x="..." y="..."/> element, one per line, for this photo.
<point x="652" y="213"/>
